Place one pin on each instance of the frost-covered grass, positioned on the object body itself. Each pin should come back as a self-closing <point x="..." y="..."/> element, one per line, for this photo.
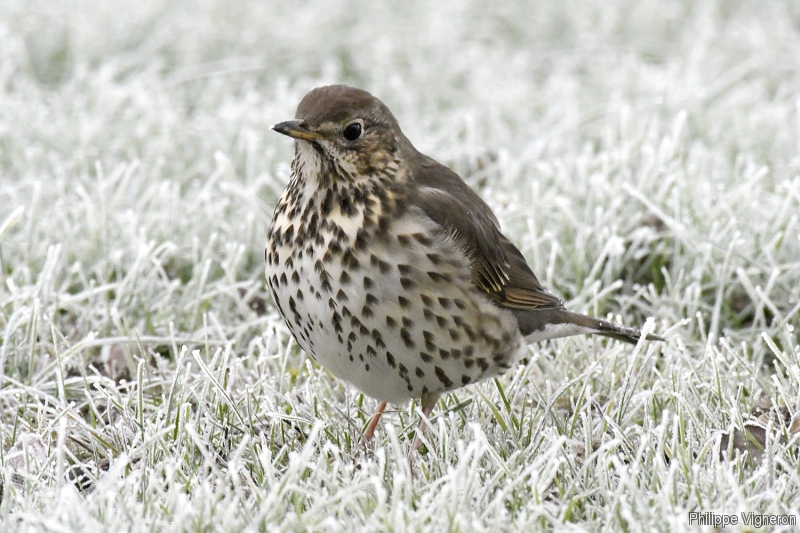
<point x="644" y="155"/>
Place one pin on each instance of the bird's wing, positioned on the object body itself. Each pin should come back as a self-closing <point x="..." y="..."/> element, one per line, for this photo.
<point x="498" y="267"/>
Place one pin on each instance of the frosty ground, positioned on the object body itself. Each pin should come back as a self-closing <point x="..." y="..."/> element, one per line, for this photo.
<point x="644" y="156"/>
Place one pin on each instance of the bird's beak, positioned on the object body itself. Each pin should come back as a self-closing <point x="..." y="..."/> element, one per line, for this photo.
<point x="297" y="129"/>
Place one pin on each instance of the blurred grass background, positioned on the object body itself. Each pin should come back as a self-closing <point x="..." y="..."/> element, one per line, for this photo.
<point x="643" y="155"/>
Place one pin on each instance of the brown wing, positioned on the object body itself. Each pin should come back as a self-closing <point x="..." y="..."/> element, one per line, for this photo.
<point x="498" y="267"/>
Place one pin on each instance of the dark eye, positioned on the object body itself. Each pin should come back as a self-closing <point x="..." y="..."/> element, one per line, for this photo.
<point x="352" y="132"/>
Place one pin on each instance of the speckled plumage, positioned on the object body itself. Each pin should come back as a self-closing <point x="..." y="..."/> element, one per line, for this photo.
<point x="389" y="270"/>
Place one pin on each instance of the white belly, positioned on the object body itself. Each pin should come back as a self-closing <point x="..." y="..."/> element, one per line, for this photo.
<point x="389" y="327"/>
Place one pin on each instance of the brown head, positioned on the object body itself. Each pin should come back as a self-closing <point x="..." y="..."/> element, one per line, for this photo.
<point x="350" y="131"/>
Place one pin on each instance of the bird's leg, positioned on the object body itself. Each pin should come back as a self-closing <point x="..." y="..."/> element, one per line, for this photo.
<point x="428" y="402"/>
<point x="373" y="423"/>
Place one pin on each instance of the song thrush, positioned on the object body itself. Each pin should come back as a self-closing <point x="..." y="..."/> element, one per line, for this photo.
<point x="390" y="271"/>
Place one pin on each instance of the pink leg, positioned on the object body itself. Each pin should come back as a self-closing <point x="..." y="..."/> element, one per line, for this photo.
<point x="373" y="423"/>
<point x="428" y="402"/>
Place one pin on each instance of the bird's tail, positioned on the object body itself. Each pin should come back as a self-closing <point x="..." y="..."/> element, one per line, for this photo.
<point x="609" y="329"/>
<point x="537" y="325"/>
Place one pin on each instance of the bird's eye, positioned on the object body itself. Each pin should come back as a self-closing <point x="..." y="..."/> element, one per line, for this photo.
<point x="352" y="132"/>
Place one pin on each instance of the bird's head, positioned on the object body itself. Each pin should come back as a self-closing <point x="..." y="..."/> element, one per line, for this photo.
<point x="346" y="130"/>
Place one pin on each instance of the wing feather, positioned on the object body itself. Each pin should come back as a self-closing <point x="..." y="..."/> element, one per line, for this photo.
<point x="498" y="267"/>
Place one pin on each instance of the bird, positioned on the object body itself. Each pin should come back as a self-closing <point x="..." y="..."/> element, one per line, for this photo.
<point x="390" y="271"/>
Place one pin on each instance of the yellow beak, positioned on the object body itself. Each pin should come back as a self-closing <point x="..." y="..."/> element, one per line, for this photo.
<point x="297" y="129"/>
